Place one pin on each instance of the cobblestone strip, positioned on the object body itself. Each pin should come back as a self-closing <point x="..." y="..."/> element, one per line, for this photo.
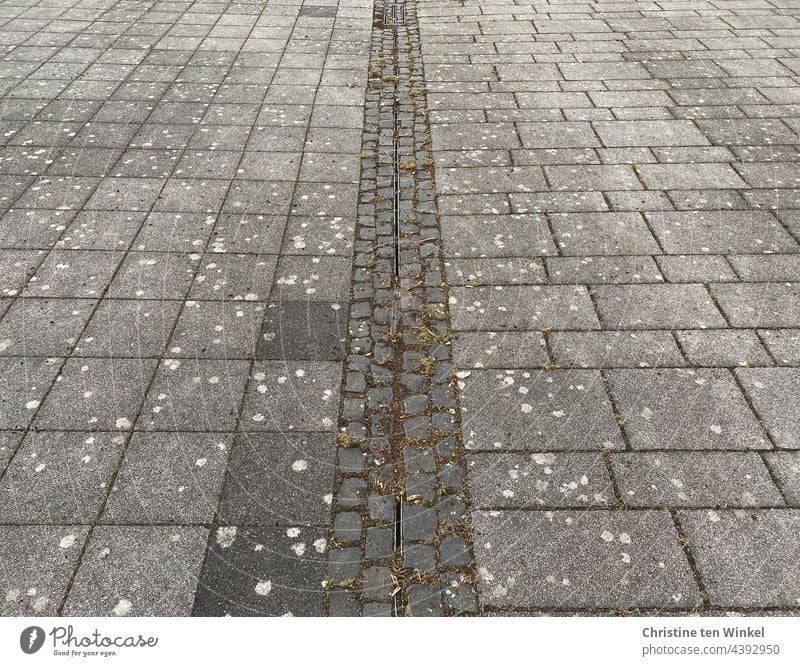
<point x="400" y="539"/>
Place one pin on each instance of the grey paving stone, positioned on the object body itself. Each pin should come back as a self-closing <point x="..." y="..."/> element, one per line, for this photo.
<point x="582" y="559"/>
<point x="724" y="348"/>
<point x="496" y="271"/>
<point x="521" y="308"/>
<point x="785" y="469"/>
<point x="59" y="477"/>
<point x="696" y="268"/>
<point x="32" y="228"/>
<point x="655" y="306"/>
<point x="499" y="349"/>
<point x="76" y="274"/>
<point x="43" y="327"/>
<point x="122" y="328"/>
<point x="297" y="395"/>
<point x="649" y="133"/>
<point x="39" y="558"/>
<point x="280" y="479"/>
<point x="96" y="394"/>
<point x="538" y="480"/>
<point x="177" y="232"/>
<point x="303" y="330"/>
<point x="138" y="571"/>
<point x="775" y="396"/>
<point x="325" y="279"/>
<point x="760" y="305"/>
<point x="194" y="395"/>
<point x="746" y="558"/>
<point x="684" y="409"/>
<point x="263" y="571"/>
<point x="234" y="277"/>
<point x="169" y="478"/>
<point x="153" y="275"/>
<point x="615" y="349"/>
<point x="496" y="236"/>
<point x="602" y="270"/>
<point x="603" y="233"/>
<point x="556" y="410"/>
<point x="96" y="230"/>
<point x="694" y="479"/>
<point x="767" y="268"/>
<point x="783" y="344"/>
<point x="215" y="329"/>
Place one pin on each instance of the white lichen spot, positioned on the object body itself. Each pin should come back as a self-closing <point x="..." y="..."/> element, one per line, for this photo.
<point x="68" y="541"/>
<point x="226" y="536"/>
<point x="263" y="587"/>
<point x="300" y="465"/>
<point x="123" y="607"/>
<point x="123" y="423"/>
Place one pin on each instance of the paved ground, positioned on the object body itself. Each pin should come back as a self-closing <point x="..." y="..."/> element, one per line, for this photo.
<point x="493" y="311"/>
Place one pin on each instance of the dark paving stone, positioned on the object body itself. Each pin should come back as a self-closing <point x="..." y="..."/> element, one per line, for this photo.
<point x="263" y="571"/>
<point x="24" y="383"/>
<point x="304" y="330"/>
<point x="214" y="329"/>
<point x="775" y="393"/>
<point x="43" y="327"/>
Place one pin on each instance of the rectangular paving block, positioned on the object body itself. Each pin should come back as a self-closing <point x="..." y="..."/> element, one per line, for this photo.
<point x="496" y="236"/>
<point x="785" y="469"/>
<point x="531" y="480"/>
<point x="694" y="479"/>
<point x="685" y="409"/>
<point x="497" y="271"/>
<point x="603" y="269"/>
<point x="649" y="133"/>
<point x="760" y="305"/>
<point x="615" y="349"/>
<point x="587" y="234"/>
<point x="540" y="410"/>
<point x="138" y="571"/>
<point x="651" y="306"/>
<point x="775" y="393"/>
<point x="581" y="560"/>
<point x="499" y="349"/>
<point x="256" y="571"/>
<point x="723" y="348"/>
<point x="522" y="308"/>
<point x="746" y="559"/>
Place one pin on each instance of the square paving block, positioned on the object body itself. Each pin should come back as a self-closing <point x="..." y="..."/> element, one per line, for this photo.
<point x="96" y="394"/>
<point x="256" y="197"/>
<point x="234" y="277"/>
<point x="304" y="330"/>
<point x="173" y="477"/>
<point x="318" y="237"/>
<point x="263" y="571"/>
<point x="192" y="196"/>
<point x="214" y="329"/>
<point x="138" y="571"/>
<point x="126" y="194"/>
<point x="194" y="395"/>
<point x="746" y="559"/>
<point x="59" y="477"/>
<point x="136" y="329"/>
<point x="255" y="234"/>
<point x="544" y="410"/>
<point x="43" y="327"/>
<point x="775" y="393"/>
<point x="154" y="275"/>
<point x="31" y="228"/>
<point x="58" y="192"/>
<point x="325" y="279"/>
<point x="36" y="565"/>
<point x="582" y="559"/>
<point x="23" y="383"/>
<point x="535" y="480"/>
<point x="785" y="468"/>
<point x="280" y="479"/>
<point x="296" y="395"/>
<point x="685" y="409"/>
<point x="74" y="273"/>
<point x="9" y="441"/>
<point x="518" y="307"/>
<point x="16" y="268"/>
<point x="101" y="230"/>
<point x="500" y="349"/>
<point x="694" y="479"/>
<point x="176" y="232"/>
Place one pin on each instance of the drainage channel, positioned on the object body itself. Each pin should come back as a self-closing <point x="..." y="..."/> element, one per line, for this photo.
<point x="400" y="542"/>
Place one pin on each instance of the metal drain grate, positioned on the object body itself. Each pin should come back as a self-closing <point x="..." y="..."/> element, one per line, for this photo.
<point x="395" y="14"/>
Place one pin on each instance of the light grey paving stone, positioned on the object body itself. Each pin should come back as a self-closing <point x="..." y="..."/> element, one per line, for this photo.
<point x="557" y="202"/>
<point x="234" y="277"/>
<point x="603" y="233"/>
<point x="760" y="305"/>
<point x="173" y="477"/>
<point x="101" y="230"/>
<point x="478" y="180"/>
<point x="711" y="175"/>
<point x="540" y="410"/>
<point x="299" y="395"/>
<point x="655" y="306"/>
<point x="496" y="236"/>
<point x="521" y="308"/>
<point x="497" y="271"/>
<point x="555" y="135"/>
<point x="785" y="469"/>
<point x="194" y="395"/>
<point x="96" y="394"/>
<point x="74" y="273"/>
<point x="215" y="329"/>
<point x="40" y="558"/>
<point x="59" y="477"/>
<point x="538" y="480"/>
<point x="154" y="275"/>
<point x="175" y="232"/>
<point x="123" y="328"/>
<point x="723" y="348"/>
<point x="746" y="559"/>
<point x="499" y="349"/>
<point x="775" y="393"/>
<point x="719" y="232"/>
<point x="696" y="268"/>
<point x="9" y="441"/>
<point x="767" y="268"/>
<point x="649" y="133"/>
<point x="138" y="571"/>
<point x="582" y="559"/>
<point x="694" y="479"/>
<point x="615" y="349"/>
<point x="747" y="132"/>
<point x="280" y="479"/>
<point x="260" y="571"/>
<point x="684" y="409"/>
<point x="592" y="177"/>
<point x="783" y="344"/>
<point x="602" y="270"/>
<point x="43" y="327"/>
<point x="32" y="228"/>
